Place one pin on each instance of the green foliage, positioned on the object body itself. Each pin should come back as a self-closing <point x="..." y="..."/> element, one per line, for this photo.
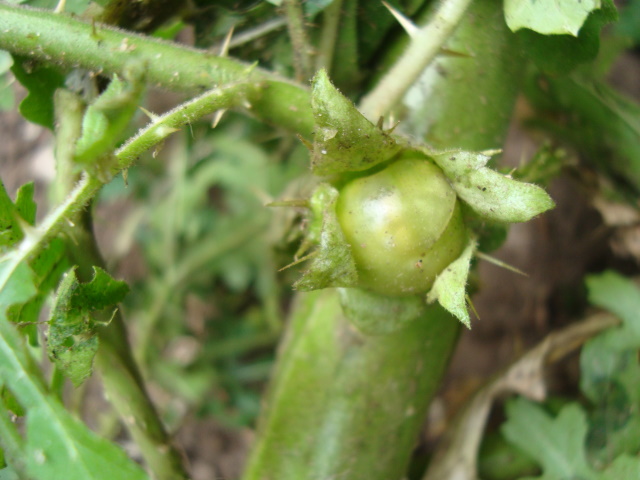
<point x="7" y="98"/>
<point x="71" y="340"/>
<point x="548" y="17"/>
<point x="559" y="54"/>
<point x="207" y="303"/>
<point x="57" y="444"/>
<point x="601" y="123"/>
<point x="601" y="442"/>
<point x="41" y="82"/>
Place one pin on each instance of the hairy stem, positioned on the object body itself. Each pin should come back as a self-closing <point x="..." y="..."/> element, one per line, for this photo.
<point x="70" y="43"/>
<point x="425" y="45"/>
<point x="328" y="36"/>
<point x="298" y="33"/>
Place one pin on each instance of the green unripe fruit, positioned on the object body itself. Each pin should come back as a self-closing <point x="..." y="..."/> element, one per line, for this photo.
<point x="404" y="226"/>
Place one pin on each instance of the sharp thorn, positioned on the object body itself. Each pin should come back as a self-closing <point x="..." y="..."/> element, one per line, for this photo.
<point x="217" y="116"/>
<point x="224" y="48"/>
<point x="500" y="263"/>
<point x="404" y="22"/>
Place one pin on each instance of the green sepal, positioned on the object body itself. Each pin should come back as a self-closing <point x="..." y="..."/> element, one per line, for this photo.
<point x="549" y="17"/>
<point x="345" y="141"/>
<point x="376" y="314"/>
<point x="332" y="264"/>
<point x="450" y="287"/>
<point x="72" y="341"/>
<point x="492" y="195"/>
<point x="106" y="118"/>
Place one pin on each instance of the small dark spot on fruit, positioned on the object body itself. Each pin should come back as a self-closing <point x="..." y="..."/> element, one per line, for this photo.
<point x="453" y="159"/>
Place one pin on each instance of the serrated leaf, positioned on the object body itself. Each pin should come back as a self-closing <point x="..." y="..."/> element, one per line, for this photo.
<point x="333" y="264"/>
<point x="549" y="17"/>
<point x="450" y="286"/>
<point x="57" y="445"/>
<point x="559" y="54"/>
<point x="610" y="373"/>
<point x="345" y="141"/>
<point x="72" y="342"/>
<point x="41" y="82"/>
<point x="492" y="195"/>
<point x="557" y="444"/>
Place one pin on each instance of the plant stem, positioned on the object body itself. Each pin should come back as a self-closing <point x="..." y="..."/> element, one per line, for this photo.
<point x="348" y="404"/>
<point x="298" y="34"/>
<point x="328" y="36"/>
<point x="425" y="45"/>
<point x="69" y="43"/>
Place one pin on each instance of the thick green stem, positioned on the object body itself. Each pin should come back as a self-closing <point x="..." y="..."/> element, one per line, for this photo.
<point x="466" y="100"/>
<point x="343" y="403"/>
<point x="69" y="43"/>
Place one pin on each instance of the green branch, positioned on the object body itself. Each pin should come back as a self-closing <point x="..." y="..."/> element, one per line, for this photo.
<point x="425" y="45"/>
<point x="70" y="43"/>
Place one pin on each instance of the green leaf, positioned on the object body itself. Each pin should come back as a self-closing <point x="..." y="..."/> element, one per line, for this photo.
<point x="41" y="82"/>
<point x="620" y="296"/>
<point x="548" y="16"/>
<point x="557" y="444"/>
<point x="610" y="373"/>
<point x="7" y="97"/>
<point x="10" y="230"/>
<point x="333" y="264"/>
<point x="107" y="117"/>
<point x="492" y="195"/>
<point x="20" y="284"/>
<point x="625" y="467"/>
<point x="57" y="445"/>
<point x="559" y="54"/>
<point x="450" y="286"/>
<point x="629" y="24"/>
<point x="72" y="341"/>
<point x="345" y="141"/>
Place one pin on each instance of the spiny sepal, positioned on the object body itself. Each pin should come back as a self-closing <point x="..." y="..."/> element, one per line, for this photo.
<point x="449" y="289"/>
<point x="492" y="195"/>
<point x="333" y="264"/>
<point x="345" y="141"/>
